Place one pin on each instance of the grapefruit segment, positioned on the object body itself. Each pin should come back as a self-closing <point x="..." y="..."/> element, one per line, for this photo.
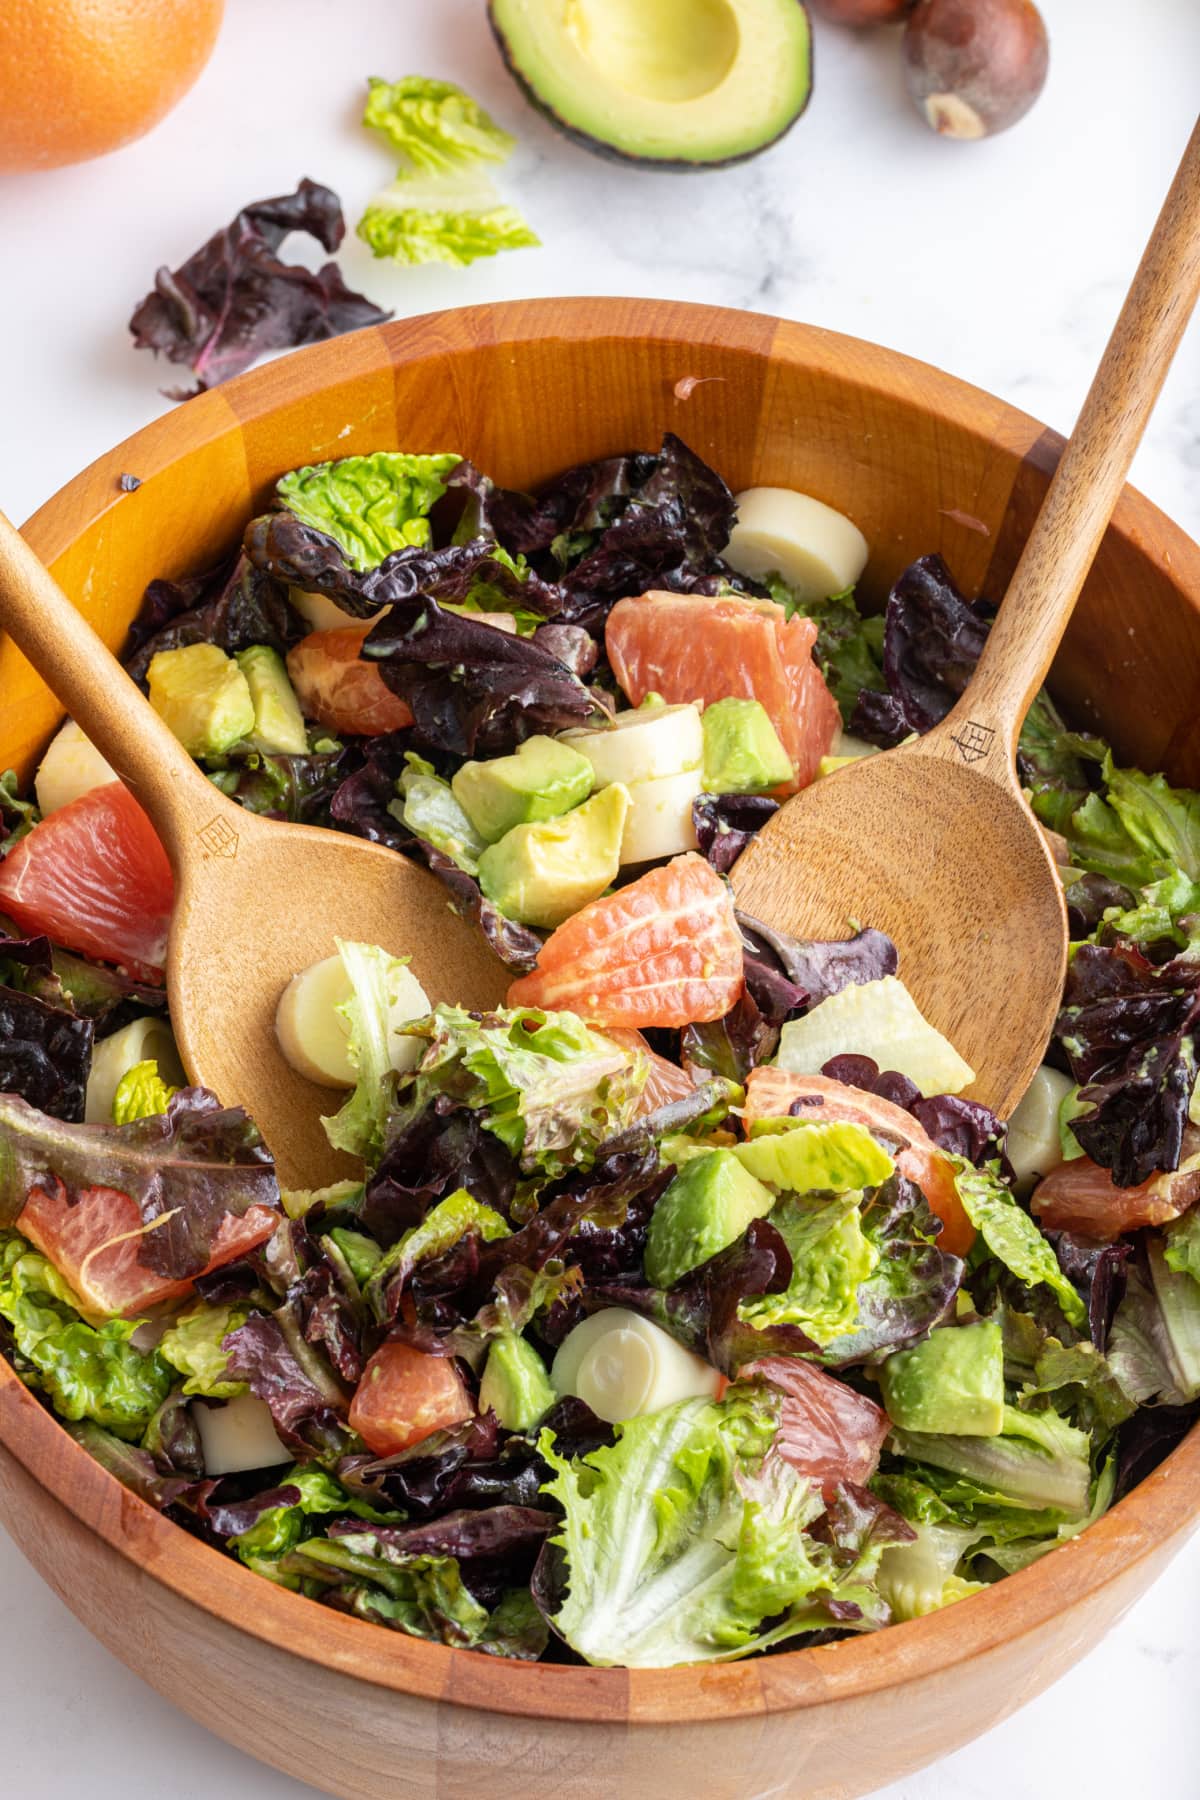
<point x="771" y="1093"/>
<point x="94" y="1241"/>
<point x="697" y="647"/>
<point x="340" y="690"/>
<point x="94" y="878"/>
<point x="827" y="1431"/>
<point x="404" y="1395"/>
<point x="663" y="951"/>
<point x="666" y="1080"/>
<point x="1080" y="1196"/>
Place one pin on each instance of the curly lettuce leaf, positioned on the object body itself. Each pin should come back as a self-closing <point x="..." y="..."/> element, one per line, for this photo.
<point x="831" y="1257"/>
<point x="45" y="1048"/>
<point x="455" y="221"/>
<point x="1181" y="1239"/>
<point x="442" y="1227"/>
<point x="369" y="505"/>
<point x="685" y="1541"/>
<point x="547" y="1086"/>
<point x="1012" y="1236"/>
<point x="434" y="125"/>
<point x="87" y="1372"/>
<point x="375" y="977"/>
<point x="141" y="1093"/>
<point x="194" y="1345"/>
<point x="17" y="815"/>
<point x="303" y="1495"/>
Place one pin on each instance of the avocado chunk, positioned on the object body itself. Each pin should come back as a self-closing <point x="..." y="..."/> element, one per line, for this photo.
<point x="541" y="780"/>
<point x="541" y="874"/>
<point x="952" y="1384"/>
<point x="515" y="1384"/>
<point x="204" y="698"/>
<point x="707" y="1207"/>
<point x="812" y="1158"/>
<point x="680" y="84"/>
<point x="278" y="721"/>
<point x="742" y="751"/>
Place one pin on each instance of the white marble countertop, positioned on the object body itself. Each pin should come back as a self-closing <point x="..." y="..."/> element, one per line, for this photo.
<point x="1003" y="262"/>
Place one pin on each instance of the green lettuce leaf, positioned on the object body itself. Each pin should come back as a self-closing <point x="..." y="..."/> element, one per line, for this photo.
<point x="831" y="1257"/>
<point x="685" y="1542"/>
<point x="376" y="979"/>
<point x="849" y="646"/>
<point x="279" y="1529"/>
<point x="370" y="505"/>
<point x="430" y="811"/>
<point x="920" y="1578"/>
<point x="193" y="1343"/>
<point x="141" y="1092"/>
<point x="87" y="1372"/>
<point x="1012" y="1236"/>
<point x="435" y="126"/>
<point x="17" y="816"/>
<point x="551" y="1088"/>
<point x="1181" y="1240"/>
<point x="1038" y="1463"/>
<point x="445" y="221"/>
<point x="1167" y="911"/>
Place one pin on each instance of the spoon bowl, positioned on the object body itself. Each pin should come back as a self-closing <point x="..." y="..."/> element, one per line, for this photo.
<point x="952" y="865"/>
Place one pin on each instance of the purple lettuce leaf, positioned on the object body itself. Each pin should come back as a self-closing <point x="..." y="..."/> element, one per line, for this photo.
<point x="1127" y="1030"/>
<point x="282" y="786"/>
<point x="933" y="639"/>
<point x="307" y="1405"/>
<point x="1089" y="897"/>
<point x="191" y="1167"/>
<point x="173" y="1439"/>
<point x="45" y="1051"/>
<point x="361" y="802"/>
<point x="473" y="688"/>
<point x="864" y="1072"/>
<point x="912" y="1286"/>
<point x="297" y="554"/>
<point x="730" y="1046"/>
<point x="247" y="607"/>
<point x="516" y="945"/>
<point x="235" y="298"/>
<point x="432" y="1149"/>
<point x="62" y="979"/>
<point x="1098" y="1272"/>
<point x="495" y="1546"/>
<point x="1147" y="1438"/>
<point x="961" y="1127"/>
<point x="135" y="1468"/>
<point x="819" y="967"/>
<point x="579" y="502"/>
<point x="570" y="645"/>
<point x="466" y="1466"/>
<point x="725" y="824"/>
<point x="328" y="1305"/>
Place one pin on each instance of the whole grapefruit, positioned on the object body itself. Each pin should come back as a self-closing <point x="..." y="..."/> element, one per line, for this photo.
<point x="81" y="77"/>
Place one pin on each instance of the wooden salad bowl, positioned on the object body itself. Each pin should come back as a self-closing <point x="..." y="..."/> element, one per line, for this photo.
<point x="922" y="462"/>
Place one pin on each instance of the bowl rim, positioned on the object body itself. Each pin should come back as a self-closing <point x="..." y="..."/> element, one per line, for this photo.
<point x="1161" y="1510"/>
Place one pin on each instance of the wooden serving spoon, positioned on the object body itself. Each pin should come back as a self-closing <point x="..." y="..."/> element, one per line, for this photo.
<point x="934" y="842"/>
<point x="256" y="900"/>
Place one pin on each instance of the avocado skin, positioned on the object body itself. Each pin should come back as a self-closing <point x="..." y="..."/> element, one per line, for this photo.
<point x="610" y="152"/>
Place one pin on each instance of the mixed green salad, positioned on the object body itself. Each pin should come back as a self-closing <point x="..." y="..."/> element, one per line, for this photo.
<point x="684" y="1307"/>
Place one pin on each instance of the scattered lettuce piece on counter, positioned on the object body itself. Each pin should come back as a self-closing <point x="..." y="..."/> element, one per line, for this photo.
<point x="141" y="1092"/>
<point x="688" y="1541"/>
<point x="444" y="222"/>
<point x="370" y="505"/>
<point x="235" y="299"/>
<point x="88" y="1372"/>
<point x="433" y="124"/>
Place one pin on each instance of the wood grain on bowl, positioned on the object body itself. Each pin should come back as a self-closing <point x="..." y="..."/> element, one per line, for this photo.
<point x="922" y="463"/>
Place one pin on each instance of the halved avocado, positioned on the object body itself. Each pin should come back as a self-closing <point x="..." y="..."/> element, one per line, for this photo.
<point x="681" y="84"/>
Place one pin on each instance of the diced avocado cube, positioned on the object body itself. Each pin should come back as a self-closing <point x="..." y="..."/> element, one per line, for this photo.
<point x="542" y="779"/>
<point x="952" y="1384"/>
<point x="816" y="1158"/>
<point x="707" y="1207"/>
<point x="202" y="695"/>
<point x="541" y="874"/>
<point x="278" y="721"/>
<point x="742" y="751"/>
<point x="515" y="1384"/>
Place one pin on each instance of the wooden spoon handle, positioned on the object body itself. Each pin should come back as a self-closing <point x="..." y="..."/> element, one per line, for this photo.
<point x="985" y="724"/>
<point x="99" y="695"/>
